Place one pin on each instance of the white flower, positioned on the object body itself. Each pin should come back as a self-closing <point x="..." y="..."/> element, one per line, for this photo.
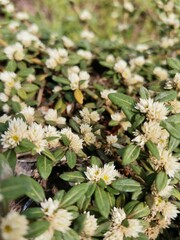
<point x="87" y="35"/>
<point x="14" y="226"/>
<point x="109" y="173"/>
<point x="16" y="131"/>
<point x="151" y="131"/>
<point x="4" y="118"/>
<point x="48" y="235"/>
<point x="166" y="192"/>
<point x="85" y="15"/>
<point x="89" y="138"/>
<point x="85" y="128"/>
<point x="33" y="28"/>
<point x="89" y="116"/>
<point x="168" y="42"/>
<point x="120" y="66"/>
<point x="175" y="104"/>
<point x="13" y="25"/>
<point x="110" y="58"/>
<point x="50" y="131"/>
<point x="3" y="97"/>
<point x="6" y="108"/>
<point x="49" y="206"/>
<point x="111" y="139"/>
<point x="154" y="110"/>
<point x="61" y="220"/>
<point x="85" y="54"/>
<point x="176" y="82"/>
<point x="52" y="115"/>
<point x="106" y="92"/>
<point x="26" y="38"/>
<point x="142" y="47"/>
<point x="170" y="211"/>
<point x="138" y="61"/>
<point x="118" y="231"/>
<point x="75" y="141"/>
<point x="56" y="57"/>
<point x="31" y="78"/>
<point x="28" y="113"/>
<point x="14" y="52"/>
<point x="76" y="79"/>
<point x="22" y="16"/>
<point x="128" y="6"/>
<point x="93" y="173"/>
<point x="117" y="116"/>
<point x="161" y="73"/>
<point x="35" y="134"/>
<point x="90" y="225"/>
<point x="68" y="43"/>
<point x="7" y="76"/>
<point x="9" y="8"/>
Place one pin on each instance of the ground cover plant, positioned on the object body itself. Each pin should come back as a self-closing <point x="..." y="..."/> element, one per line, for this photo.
<point x="90" y="125"/>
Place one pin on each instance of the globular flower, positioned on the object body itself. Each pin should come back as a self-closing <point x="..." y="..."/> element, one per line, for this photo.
<point x="118" y="231"/>
<point x="85" y="54"/>
<point x="28" y="113"/>
<point x="107" y="173"/>
<point x="106" y="92"/>
<point x="88" y="116"/>
<point x="27" y="38"/>
<point x="35" y="134"/>
<point x="111" y="139"/>
<point x="161" y="73"/>
<point x="78" y="79"/>
<point x="87" y="35"/>
<point x="16" y="131"/>
<point x="156" y="111"/>
<point x="68" y="43"/>
<point x="49" y="206"/>
<point x="52" y="115"/>
<point x="75" y="143"/>
<point x="120" y="66"/>
<point x="56" y="57"/>
<point x="85" y="15"/>
<point x="14" y="226"/>
<point x="14" y="51"/>
<point x="50" y="131"/>
<point x="90" y="226"/>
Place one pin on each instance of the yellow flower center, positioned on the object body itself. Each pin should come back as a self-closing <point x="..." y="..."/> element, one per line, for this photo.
<point x="105" y="177"/>
<point x="8" y="229"/>
<point x="15" y="138"/>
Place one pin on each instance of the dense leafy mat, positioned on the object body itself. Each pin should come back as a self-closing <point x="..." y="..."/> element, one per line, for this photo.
<point x="90" y="130"/>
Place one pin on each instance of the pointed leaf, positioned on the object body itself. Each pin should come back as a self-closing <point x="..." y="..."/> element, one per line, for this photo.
<point x="130" y="154"/>
<point x="102" y="202"/>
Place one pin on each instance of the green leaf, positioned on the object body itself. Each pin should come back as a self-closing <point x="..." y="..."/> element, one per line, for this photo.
<point x="22" y="94"/>
<point x="125" y="102"/>
<point x="73" y="176"/>
<point x="126" y="185"/>
<point x="16" y="107"/>
<point x="166" y="96"/>
<point x="65" y="140"/>
<point x="11" y="66"/>
<point x="35" y="191"/>
<point x="74" y="125"/>
<point x="47" y="153"/>
<point x="102" y="202"/>
<point x="10" y="157"/>
<point x="59" y="195"/>
<point x="172" y="127"/>
<point x="173" y="143"/>
<point x="139" y="211"/>
<point x="37" y="228"/>
<point x="25" y="146"/>
<point x="74" y="194"/>
<point x="33" y="213"/>
<point x="144" y="93"/>
<point x="176" y="194"/>
<point x="96" y="161"/>
<point x="130" y="154"/>
<point x="71" y="158"/>
<point x="44" y="166"/>
<point x="14" y="187"/>
<point x="79" y="224"/>
<point x="138" y="120"/>
<point x="174" y="63"/>
<point x="70" y="235"/>
<point x="161" y="181"/>
<point x="101" y="229"/>
<point x="153" y="149"/>
<point x="30" y="87"/>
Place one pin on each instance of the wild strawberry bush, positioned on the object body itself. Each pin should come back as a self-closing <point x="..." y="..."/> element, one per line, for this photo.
<point x="90" y="131"/>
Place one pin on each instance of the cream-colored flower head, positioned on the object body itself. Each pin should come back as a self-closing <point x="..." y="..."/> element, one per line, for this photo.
<point x="50" y="131"/>
<point x="16" y="131"/>
<point x="15" y="52"/>
<point x="4" y="118"/>
<point x="78" y="79"/>
<point x="156" y="111"/>
<point x="120" y="66"/>
<point x="90" y="226"/>
<point x="56" y="57"/>
<point x="118" y="231"/>
<point x="49" y="206"/>
<point x="14" y="226"/>
<point x="106" y="92"/>
<point x="161" y="73"/>
<point x="87" y="35"/>
<point x="28" y="113"/>
<point x="35" y="134"/>
<point x="76" y="144"/>
<point x="52" y="115"/>
<point x="85" y="15"/>
<point x="107" y="173"/>
<point x="85" y="54"/>
<point x="88" y="116"/>
<point x="111" y="139"/>
<point x="175" y="104"/>
<point x="68" y="43"/>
